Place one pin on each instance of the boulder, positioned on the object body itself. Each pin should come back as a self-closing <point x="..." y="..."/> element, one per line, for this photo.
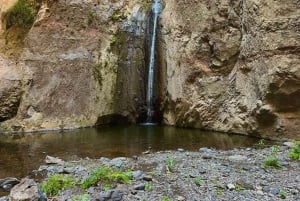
<point x="26" y="190"/>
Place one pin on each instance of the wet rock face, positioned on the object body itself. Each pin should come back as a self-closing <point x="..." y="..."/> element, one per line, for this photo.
<point x="232" y="66"/>
<point x="10" y="89"/>
<point x="72" y="58"/>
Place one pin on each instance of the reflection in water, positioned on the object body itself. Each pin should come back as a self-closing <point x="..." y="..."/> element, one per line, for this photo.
<point x="20" y="156"/>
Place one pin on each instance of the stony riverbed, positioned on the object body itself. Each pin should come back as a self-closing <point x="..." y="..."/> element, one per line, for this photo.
<point x="206" y="175"/>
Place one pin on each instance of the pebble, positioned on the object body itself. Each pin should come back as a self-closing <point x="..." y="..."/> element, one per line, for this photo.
<point x="117" y="162"/>
<point x="180" y="150"/>
<point x="237" y="158"/>
<point x="275" y="191"/>
<point x="206" y="156"/>
<point x="180" y="198"/>
<point x="147" y="178"/>
<point x="259" y="192"/>
<point x="205" y="150"/>
<point x="230" y="186"/>
<point x="140" y="186"/>
<point x="289" y="144"/>
<point x="266" y="189"/>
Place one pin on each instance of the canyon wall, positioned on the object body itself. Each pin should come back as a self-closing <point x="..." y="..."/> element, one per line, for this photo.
<point x="232" y="66"/>
<point x="71" y="67"/>
<point x="224" y="65"/>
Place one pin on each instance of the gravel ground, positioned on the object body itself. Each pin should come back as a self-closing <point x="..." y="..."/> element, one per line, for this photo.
<point x="209" y="174"/>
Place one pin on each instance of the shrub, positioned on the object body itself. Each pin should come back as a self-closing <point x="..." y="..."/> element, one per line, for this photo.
<point x="21" y="14"/>
<point x="272" y="162"/>
<point x="107" y="176"/>
<point x="57" y="182"/>
<point x="170" y="163"/>
<point x="198" y="181"/>
<point x="295" y="152"/>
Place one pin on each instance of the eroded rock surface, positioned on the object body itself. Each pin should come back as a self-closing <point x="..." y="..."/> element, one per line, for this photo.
<point x="232" y="66"/>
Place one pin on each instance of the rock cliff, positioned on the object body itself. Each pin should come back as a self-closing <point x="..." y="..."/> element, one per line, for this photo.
<point x="232" y="66"/>
<point x="225" y="65"/>
<point x="80" y="64"/>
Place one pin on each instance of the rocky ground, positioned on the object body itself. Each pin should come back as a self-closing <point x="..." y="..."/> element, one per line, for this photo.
<point x="239" y="174"/>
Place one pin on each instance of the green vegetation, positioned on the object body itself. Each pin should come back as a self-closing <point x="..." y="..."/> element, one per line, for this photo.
<point x="21" y="14"/>
<point x="91" y="17"/>
<point x="149" y="186"/>
<point x="272" y="162"/>
<point x="220" y="191"/>
<point x="275" y="149"/>
<point x="170" y="163"/>
<point x="107" y="176"/>
<point x="261" y="143"/>
<point x="114" y="40"/>
<point x="165" y="198"/>
<point x="97" y="73"/>
<point x="282" y="194"/>
<point x="239" y="187"/>
<point x="57" y="182"/>
<point x="83" y="197"/>
<point x="118" y="16"/>
<point x="198" y="181"/>
<point x="295" y="152"/>
<point x="146" y="4"/>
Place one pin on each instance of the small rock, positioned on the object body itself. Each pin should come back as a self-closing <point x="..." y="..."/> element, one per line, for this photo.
<point x="7" y="183"/>
<point x="104" y="195"/>
<point x="237" y="158"/>
<point x="27" y="189"/>
<point x="180" y="198"/>
<point x="294" y="191"/>
<point x="4" y="198"/>
<point x="289" y="144"/>
<point x="104" y="160"/>
<point x="284" y="163"/>
<point x="202" y="171"/>
<point x="137" y="175"/>
<point x="205" y="150"/>
<point x="53" y="160"/>
<point x="117" y="195"/>
<point x="266" y="189"/>
<point x="139" y="187"/>
<point x="275" y="191"/>
<point x="206" y="156"/>
<point x="180" y="150"/>
<point x="230" y="186"/>
<point x="117" y="162"/>
<point x="260" y="192"/>
<point x="147" y="178"/>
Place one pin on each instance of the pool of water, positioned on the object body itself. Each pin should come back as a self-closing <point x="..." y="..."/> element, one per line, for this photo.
<point x="20" y="154"/>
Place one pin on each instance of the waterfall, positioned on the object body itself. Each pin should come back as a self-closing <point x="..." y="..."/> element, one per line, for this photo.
<point x="156" y="9"/>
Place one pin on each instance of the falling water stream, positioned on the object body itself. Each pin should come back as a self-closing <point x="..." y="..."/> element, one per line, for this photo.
<point x="156" y="9"/>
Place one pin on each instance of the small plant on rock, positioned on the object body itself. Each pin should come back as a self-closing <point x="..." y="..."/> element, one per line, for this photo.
<point x="21" y="14"/>
<point x="261" y="143"/>
<point x="282" y="194"/>
<point x="295" y="152"/>
<point x="107" y="176"/>
<point x="272" y="162"/>
<point x="170" y="163"/>
<point x="165" y="198"/>
<point x="198" y="181"/>
<point x="56" y="183"/>
<point x="83" y="197"/>
<point x="149" y="186"/>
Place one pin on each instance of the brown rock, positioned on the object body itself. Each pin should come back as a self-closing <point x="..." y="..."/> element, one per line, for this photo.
<point x="26" y="190"/>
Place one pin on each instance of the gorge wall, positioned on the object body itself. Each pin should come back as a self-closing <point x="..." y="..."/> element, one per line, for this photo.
<point x="224" y="65"/>
<point x="232" y="66"/>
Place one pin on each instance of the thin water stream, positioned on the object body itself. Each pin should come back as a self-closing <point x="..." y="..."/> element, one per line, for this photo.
<point x="22" y="154"/>
<point x="156" y="9"/>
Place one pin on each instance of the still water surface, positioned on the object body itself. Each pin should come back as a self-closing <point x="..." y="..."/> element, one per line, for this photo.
<point x="19" y="155"/>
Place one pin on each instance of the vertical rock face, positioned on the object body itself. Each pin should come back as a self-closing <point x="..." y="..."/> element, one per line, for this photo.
<point x="232" y="66"/>
<point x="71" y="61"/>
